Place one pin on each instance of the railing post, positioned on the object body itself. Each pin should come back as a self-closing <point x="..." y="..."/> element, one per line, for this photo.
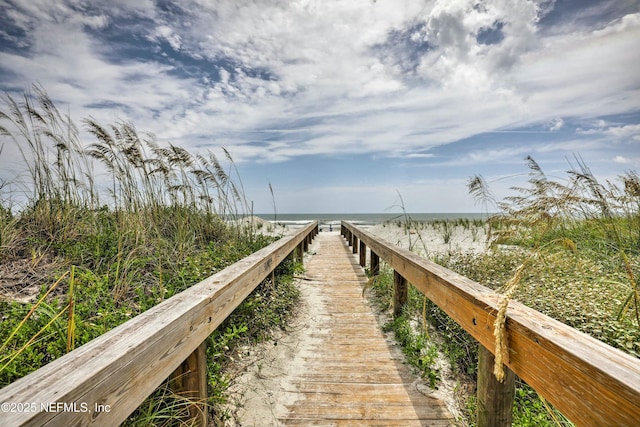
<point x="374" y="265"/>
<point x="355" y="244"/>
<point x="300" y="252"/>
<point x="363" y="254"/>
<point x="189" y="380"/>
<point x="495" y="399"/>
<point x="399" y="293"/>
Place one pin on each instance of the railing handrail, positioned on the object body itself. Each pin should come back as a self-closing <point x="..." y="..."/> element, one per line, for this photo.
<point x="106" y="379"/>
<point x="590" y="382"/>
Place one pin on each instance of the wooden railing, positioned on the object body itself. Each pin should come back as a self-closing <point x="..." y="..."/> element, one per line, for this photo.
<point x="102" y="382"/>
<point x="591" y="383"/>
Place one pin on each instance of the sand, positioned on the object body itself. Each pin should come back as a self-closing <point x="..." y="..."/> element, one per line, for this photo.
<point x="429" y="239"/>
<point x="262" y="226"/>
<point x="271" y="366"/>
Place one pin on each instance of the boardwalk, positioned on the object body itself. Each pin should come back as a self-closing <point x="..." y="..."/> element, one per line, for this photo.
<point x="336" y="367"/>
<point x="351" y="376"/>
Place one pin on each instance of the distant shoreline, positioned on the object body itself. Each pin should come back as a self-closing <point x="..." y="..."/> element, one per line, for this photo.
<point x="364" y="219"/>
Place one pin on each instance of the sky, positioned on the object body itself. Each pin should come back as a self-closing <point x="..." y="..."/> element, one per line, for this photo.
<point x="344" y="106"/>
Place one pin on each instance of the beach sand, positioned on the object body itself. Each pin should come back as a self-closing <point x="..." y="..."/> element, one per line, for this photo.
<point x="262" y="226"/>
<point x="431" y="239"/>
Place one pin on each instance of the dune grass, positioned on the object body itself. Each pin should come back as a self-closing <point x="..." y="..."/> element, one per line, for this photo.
<point x="86" y="257"/>
<point x="573" y="253"/>
<point x="568" y="248"/>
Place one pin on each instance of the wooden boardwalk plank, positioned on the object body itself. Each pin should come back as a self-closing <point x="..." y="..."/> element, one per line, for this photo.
<point x="352" y="375"/>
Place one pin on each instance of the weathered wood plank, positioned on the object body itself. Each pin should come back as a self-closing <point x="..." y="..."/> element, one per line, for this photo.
<point x="369" y="411"/>
<point x="352" y="375"/>
<point x="588" y="381"/>
<point x="121" y="368"/>
<point x="311" y="422"/>
<point x="363" y="254"/>
<point x="374" y="264"/>
<point x="495" y="399"/>
<point x="190" y="382"/>
<point x="400" y="293"/>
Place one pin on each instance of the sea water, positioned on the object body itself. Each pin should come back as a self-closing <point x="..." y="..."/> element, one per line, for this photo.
<point x="332" y="220"/>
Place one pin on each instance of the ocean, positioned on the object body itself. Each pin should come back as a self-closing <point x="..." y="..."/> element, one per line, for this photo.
<point x="363" y="219"/>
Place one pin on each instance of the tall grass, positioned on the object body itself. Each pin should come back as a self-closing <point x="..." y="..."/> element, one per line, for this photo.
<point x="568" y="247"/>
<point x="111" y="227"/>
<point x="576" y="257"/>
<point x="580" y="212"/>
<point x="154" y="191"/>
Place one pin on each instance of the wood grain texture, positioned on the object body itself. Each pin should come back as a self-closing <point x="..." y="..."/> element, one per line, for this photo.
<point x="352" y="376"/>
<point x="190" y="381"/>
<point x="495" y="399"/>
<point x="590" y="382"/>
<point x="122" y="367"/>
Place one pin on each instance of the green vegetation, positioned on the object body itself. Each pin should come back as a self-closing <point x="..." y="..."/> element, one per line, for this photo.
<point x="79" y="259"/>
<point x="569" y="249"/>
<point x="412" y="335"/>
<point x="576" y="239"/>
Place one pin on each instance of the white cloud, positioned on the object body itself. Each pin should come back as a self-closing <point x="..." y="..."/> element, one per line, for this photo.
<point x="491" y="156"/>
<point x="165" y="32"/>
<point x="556" y="124"/>
<point x="626" y="132"/>
<point x="583" y="74"/>
<point x="617" y="133"/>
<point x="460" y="60"/>
<point x="621" y="159"/>
<point x="320" y="77"/>
<point x="322" y="52"/>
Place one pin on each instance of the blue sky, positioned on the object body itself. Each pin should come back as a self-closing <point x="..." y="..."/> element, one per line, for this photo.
<point x="343" y="105"/>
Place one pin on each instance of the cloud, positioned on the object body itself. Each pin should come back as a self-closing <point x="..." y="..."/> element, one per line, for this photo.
<point x="166" y="33"/>
<point x="583" y="74"/>
<point x="491" y="156"/>
<point x="625" y="132"/>
<point x="622" y="160"/>
<point x="282" y="79"/>
<point x="628" y="161"/>
<point x="556" y="124"/>
<point x="618" y="133"/>
<point x="462" y="57"/>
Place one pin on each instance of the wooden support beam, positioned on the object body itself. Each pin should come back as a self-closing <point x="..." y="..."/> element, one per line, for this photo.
<point x="363" y="254"/>
<point x="400" y="293"/>
<point x="355" y="244"/>
<point x="300" y="252"/>
<point x="189" y="380"/>
<point x="495" y="399"/>
<point x="374" y="264"/>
